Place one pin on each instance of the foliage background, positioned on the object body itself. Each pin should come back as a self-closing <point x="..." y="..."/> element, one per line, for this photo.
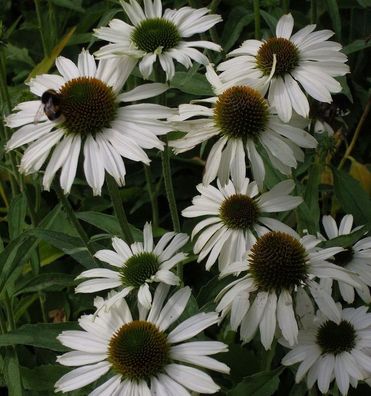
<point x="41" y="253"/>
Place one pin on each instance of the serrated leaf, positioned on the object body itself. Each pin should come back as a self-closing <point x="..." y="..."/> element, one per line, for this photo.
<point x="42" y="378"/>
<point x="192" y="83"/>
<point x="16" y="215"/>
<point x="352" y="197"/>
<point x="261" y="384"/>
<point x="41" y="335"/>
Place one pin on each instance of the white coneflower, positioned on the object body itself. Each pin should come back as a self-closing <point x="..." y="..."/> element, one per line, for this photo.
<point x="277" y="267"/>
<point x="90" y="116"/>
<point x="148" y="356"/>
<point x="136" y="266"/>
<point x="283" y="62"/>
<point x="356" y="258"/>
<point x="242" y="120"/>
<point x="236" y="215"/>
<point x="158" y="34"/>
<point x="331" y="350"/>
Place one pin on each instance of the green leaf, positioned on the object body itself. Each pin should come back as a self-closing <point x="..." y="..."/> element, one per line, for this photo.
<point x="311" y="197"/>
<point x="19" y="250"/>
<point x="355" y="46"/>
<point x="345" y="241"/>
<point x="42" y="378"/>
<point x="69" y="4"/>
<point x="192" y="83"/>
<point x="107" y="223"/>
<point x="333" y="10"/>
<point x="352" y="197"/>
<point x="41" y="335"/>
<point x="237" y="20"/>
<point x="261" y="384"/>
<point x="270" y="20"/>
<point x="70" y="245"/>
<point x="12" y="373"/>
<point x="16" y="215"/>
<point x="47" y="281"/>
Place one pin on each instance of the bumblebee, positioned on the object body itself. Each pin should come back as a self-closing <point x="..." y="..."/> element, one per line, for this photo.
<point x="50" y="105"/>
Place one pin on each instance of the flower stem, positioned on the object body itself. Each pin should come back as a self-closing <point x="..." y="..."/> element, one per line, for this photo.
<point x="356" y="134"/>
<point x="285" y="6"/>
<point x="119" y="209"/>
<point x="170" y="188"/>
<point x="72" y="217"/>
<point x="152" y="195"/>
<point x="257" y="19"/>
<point x="40" y="22"/>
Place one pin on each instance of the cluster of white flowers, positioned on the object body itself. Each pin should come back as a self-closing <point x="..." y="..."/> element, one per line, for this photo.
<point x="278" y="279"/>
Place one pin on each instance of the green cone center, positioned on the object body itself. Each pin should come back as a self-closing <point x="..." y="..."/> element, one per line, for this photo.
<point x="88" y="105"/>
<point x="336" y="338"/>
<point x="239" y="212"/>
<point x="154" y="33"/>
<point x="139" y="268"/>
<point x="278" y="261"/>
<point x="138" y="350"/>
<point x="287" y="56"/>
<point x="241" y="113"/>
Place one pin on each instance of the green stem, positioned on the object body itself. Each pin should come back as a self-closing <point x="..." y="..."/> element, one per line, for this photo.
<point x="41" y="28"/>
<point x="72" y="217"/>
<point x="270" y="356"/>
<point x="356" y="134"/>
<point x="152" y="195"/>
<point x="257" y="19"/>
<point x="119" y="209"/>
<point x="170" y="188"/>
<point x="313" y="11"/>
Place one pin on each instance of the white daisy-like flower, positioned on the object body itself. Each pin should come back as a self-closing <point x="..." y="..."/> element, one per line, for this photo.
<point x="304" y="58"/>
<point x="356" y="258"/>
<point x="136" y="266"/>
<point x="82" y="108"/>
<point x="235" y="215"/>
<point x="280" y="269"/>
<point x="331" y="350"/>
<point x="242" y="120"/>
<point x="158" y="34"/>
<point x="143" y="357"/>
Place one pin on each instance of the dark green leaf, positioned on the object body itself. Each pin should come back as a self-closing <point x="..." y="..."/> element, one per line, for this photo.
<point x="261" y="384"/>
<point x="42" y="378"/>
<point x="333" y="10"/>
<point x="352" y="197"/>
<point x="16" y="215"/>
<point x="72" y="246"/>
<point x="69" y="4"/>
<point x="41" y="335"/>
<point x="12" y="373"/>
<point x="357" y="45"/>
<point x="270" y="20"/>
<point x="192" y="83"/>
<point x="345" y="241"/>
<point x="47" y="281"/>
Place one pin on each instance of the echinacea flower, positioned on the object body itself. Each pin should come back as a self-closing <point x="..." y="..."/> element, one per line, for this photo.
<point x="235" y="216"/>
<point x="241" y="120"/>
<point x="306" y="58"/>
<point x="136" y="267"/>
<point x="158" y="34"/>
<point x="145" y="356"/>
<point x="330" y="350"/>
<point x="356" y="258"/>
<point x="280" y="268"/>
<point x="90" y="116"/>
